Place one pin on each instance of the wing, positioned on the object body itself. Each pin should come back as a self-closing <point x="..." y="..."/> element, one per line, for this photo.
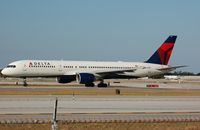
<point x="101" y="73"/>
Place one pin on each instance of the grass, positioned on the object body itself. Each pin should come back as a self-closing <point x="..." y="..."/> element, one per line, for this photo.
<point x="132" y="126"/>
<point x="107" y="126"/>
<point x="104" y="91"/>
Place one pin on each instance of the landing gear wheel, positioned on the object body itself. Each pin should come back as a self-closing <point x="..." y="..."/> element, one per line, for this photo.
<point x="89" y="85"/>
<point x="102" y="85"/>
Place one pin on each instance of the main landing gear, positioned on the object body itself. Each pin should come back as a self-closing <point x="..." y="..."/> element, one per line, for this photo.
<point x="100" y="85"/>
<point x="89" y="85"/>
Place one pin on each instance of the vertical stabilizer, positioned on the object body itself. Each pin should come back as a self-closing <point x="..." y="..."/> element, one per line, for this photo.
<point x="163" y="53"/>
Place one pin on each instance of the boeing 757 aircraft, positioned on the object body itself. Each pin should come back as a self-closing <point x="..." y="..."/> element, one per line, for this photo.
<point x="87" y="72"/>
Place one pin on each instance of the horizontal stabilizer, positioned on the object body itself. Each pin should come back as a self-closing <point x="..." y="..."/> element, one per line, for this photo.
<point x="172" y="68"/>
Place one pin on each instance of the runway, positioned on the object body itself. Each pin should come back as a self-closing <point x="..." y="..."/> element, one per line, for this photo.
<point x="97" y="104"/>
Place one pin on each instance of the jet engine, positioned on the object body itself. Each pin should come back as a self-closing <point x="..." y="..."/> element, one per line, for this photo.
<point x="66" y="78"/>
<point x="84" y="78"/>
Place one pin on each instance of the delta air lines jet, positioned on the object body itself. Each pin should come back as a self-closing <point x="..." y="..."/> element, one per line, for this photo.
<point x="87" y="72"/>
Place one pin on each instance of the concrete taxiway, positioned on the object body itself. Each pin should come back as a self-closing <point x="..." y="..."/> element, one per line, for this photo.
<point x="183" y="83"/>
<point x="169" y="85"/>
<point x="97" y="104"/>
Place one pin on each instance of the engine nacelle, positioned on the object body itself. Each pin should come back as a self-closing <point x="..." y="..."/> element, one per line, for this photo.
<point x="84" y="78"/>
<point x="66" y="78"/>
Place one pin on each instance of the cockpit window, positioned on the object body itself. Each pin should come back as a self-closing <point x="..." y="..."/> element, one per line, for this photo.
<point x="11" y="66"/>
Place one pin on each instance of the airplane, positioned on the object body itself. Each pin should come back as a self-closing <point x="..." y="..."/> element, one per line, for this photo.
<point x="88" y="72"/>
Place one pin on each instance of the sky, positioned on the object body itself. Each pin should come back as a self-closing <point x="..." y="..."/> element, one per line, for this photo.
<point x="100" y="30"/>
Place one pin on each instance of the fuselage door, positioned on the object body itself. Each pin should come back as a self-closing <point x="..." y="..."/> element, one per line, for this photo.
<point x="60" y="67"/>
<point x="25" y="67"/>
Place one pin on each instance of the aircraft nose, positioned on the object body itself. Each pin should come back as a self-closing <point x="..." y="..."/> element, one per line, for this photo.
<point x="4" y="72"/>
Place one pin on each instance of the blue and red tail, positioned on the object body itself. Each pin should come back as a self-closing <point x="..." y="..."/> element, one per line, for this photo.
<point x="162" y="55"/>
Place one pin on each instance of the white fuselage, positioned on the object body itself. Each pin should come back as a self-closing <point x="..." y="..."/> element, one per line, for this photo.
<point x="52" y="68"/>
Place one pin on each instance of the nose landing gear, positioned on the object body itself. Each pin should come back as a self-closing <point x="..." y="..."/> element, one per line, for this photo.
<point x="25" y="82"/>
